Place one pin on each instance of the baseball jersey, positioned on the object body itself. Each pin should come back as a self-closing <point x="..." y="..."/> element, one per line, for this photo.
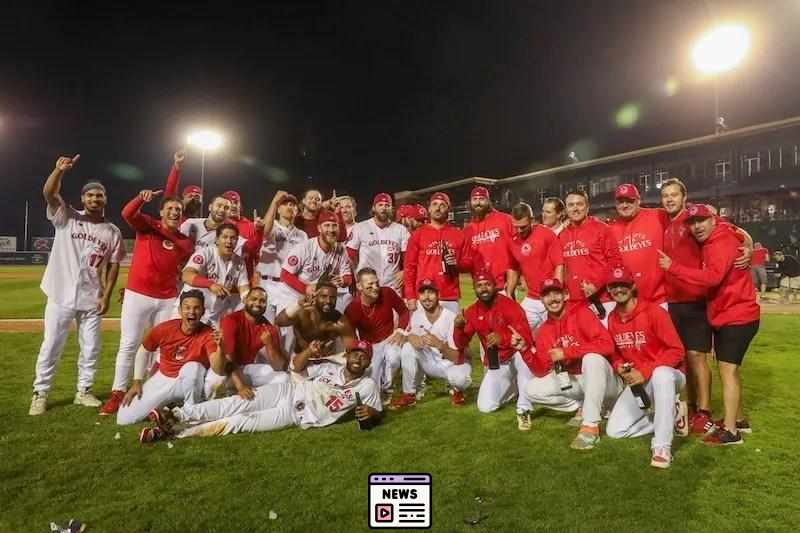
<point x="158" y="254"/>
<point x="640" y="239"/>
<point x="536" y="257"/>
<point x="241" y="337"/>
<point x="276" y="246"/>
<point x="81" y="249"/>
<point x="204" y="237"/>
<point x="442" y="329"/>
<point x="308" y="260"/>
<point x="230" y="273"/>
<point x="424" y="260"/>
<point x="375" y="323"/>
<point x="176" y="348"/>
<point x="589" y="250"/>
<point x="327" y="395"/>
<point x="379" y="248"/>
<point x="488" y="239"/>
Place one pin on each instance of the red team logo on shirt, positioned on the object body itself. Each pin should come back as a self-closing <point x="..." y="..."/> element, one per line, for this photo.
<point x="525" y="249"/>
<point x="292" y="260"/>
<point x="197" y="259"/>
<point x="167" y="245"/>
<point x="180" y="352"/>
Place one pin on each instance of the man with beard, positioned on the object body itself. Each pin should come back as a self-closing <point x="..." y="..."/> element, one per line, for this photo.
<point x="371" y="313"/>
<point x="571" y="363"/>
<point x="732" y="311"/>
<point x="203" y="230"/>
<point x="411" y="216"/>
<point x="321" y="257"/>
<point x="430" y="347"/>
<point x="437" y="251"/>
<point x="553" y="214"/>
<point x="323" y="393"/>
<point x="488" y="234"/>
<point x="651" y="361"/>
<point x="536" y="251"/>
<point x="78" y="281"/>
<point x="159" y="252"/>
<point x="220" y="273"/>
<point x="496" y="319"/>
<point x="380" y="244"/>
<point x="185" y="346"/>
<point x="251" y="354"/>
<point x="246" y="226"/>
<point x="311" y="208"/>
<point x="192" y="198"/>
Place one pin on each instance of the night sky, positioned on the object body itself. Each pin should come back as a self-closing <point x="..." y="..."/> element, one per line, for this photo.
<point x="355" y="96"/>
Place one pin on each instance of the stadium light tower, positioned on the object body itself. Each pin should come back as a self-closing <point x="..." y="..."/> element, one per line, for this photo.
<point x="719" y="50"/>
<point x="205" y="141"/>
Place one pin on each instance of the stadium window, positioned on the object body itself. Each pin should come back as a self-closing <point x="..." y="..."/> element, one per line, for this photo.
<point x="542" y="196"/>
<point x="581" y="187"/>
<point x="722" y="169"/>
<point x="644" y="181"/>
<point x="751" y="163"/>
<point x="662" y="175"/>
<point x="796" y="155"/>
<point x="594" y="188"/>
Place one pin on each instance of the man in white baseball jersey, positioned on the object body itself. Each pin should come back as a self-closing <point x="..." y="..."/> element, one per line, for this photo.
<point x="78" y="281"/>
<point x="203" y="230"/>
<point x="220" y="273"/>
<point x="345" y="207"/>
<point x="186" y="345"/>
<point x="317" y="396"/>
<point x="431" y="349"/>
<point x="379" y="244"/>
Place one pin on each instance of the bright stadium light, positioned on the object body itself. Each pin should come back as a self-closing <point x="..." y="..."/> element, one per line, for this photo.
<point x="721" y="49"/>
<point x="205" y="141"/>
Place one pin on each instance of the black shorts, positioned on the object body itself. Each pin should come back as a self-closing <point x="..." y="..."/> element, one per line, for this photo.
<point x="692" y="324"/>
<point x="731" y="342"/>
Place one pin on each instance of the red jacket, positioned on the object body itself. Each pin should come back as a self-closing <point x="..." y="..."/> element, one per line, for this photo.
<point x="488" y="239"/>
<point x="577" y="332"/>
<point x="731" y="295"/>
<point x="647" y="338"/>
<point x="640" y="239"/>
<point x="423" y="260"/>
<point x="684" y="249"/>
<point x="590" y="250"/>
<point x="375" y="323"/>
<point x="483" y="320"/>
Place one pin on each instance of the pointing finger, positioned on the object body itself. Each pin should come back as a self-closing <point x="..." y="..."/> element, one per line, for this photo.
<point x="156" y="193"/>
<point x="75" y="159"/>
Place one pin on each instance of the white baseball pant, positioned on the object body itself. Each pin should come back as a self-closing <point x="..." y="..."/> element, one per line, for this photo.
<point x="139" y="313"/>
<point x="434" y="365"/>
<point x="271" y="409"/>
<point x="628" y="420"/>
<point x="192" y="385"/>
<point x="258" y="374"/>
<point x="385" y="360"/>
<point x="501" y="385"/>
<point x="535" y="312"/>
<point x="57" y="320"/>
<point x="597" y="386"/>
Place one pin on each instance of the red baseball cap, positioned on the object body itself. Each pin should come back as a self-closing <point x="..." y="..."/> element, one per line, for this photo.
<point x="382" y="197"/>
<point x="289" y="198"/>
<point x="479" y="192"/>
<point x="620" y="275"/>
<point x="550" y="284"/>
<point x="627" y="191"/>
<point x="192" y="189"/>
<point x="441" y="197"/>
<point x="427" y="283"/>
<point x="362" y="346"/>
<point x="232" y="196"/>
<point x="326" y="216"/>
<point x="482" y="275"/>
<point x="698" y="211"/>
<point x="418" y="212"/>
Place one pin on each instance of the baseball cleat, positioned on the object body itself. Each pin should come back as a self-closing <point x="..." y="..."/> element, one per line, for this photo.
<point x="38" y="404"/>
<point x="701" y="423"/>
<point x="524" y="421"/>
<point x="456" y="398"/>
<point x="662" y="457"/>
<point x="113" y="403"/>
<point x="743" y="426"/>
<point x="404" y="400"/>
<point x="86" y="399"/>
<point x="586" y="439"/>
<point x="723" y="437"/>
<point x="681" y="419"/>
<point x="151" y="434"/>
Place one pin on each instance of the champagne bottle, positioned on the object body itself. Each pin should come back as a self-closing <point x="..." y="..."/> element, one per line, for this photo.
<point x="562" y="376"/>
<point x="639" y="394"/>
<point x="493" y="357"/>
<point x="363" y="425"/>
<point x="447" y="268"/>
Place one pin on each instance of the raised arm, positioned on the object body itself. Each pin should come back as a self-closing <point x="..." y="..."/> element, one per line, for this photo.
<point x="52" y="187"/>
<point x="173" y="179"/>
<point x="132" y="212"/>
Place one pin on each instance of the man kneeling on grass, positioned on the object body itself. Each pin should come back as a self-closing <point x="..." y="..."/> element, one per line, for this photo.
<point x="319" y="395"/>
<point x="571" y="363"/>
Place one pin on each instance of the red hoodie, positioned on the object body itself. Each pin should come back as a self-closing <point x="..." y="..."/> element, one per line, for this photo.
<point x="423" y="260"/>
<point x="684" y="249"/>
<point x="497" y="318"/>
<point x="578" y="332"/>
<point x="731" y="295"/>
<point x="590" y="250"/>
<point x="646" y="338"/>
<point x="488" y="239"/>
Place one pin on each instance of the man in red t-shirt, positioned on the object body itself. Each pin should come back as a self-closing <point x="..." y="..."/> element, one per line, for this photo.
<point x="311" y="207"/>
<point x="251" y="348"/>
<point x="487" y="234"/>
<point x="185" y="344"/>
<point x="758" y="267"/>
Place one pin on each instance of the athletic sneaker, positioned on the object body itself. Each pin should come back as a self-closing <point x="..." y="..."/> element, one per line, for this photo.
<point x="681" y="418"/>
<point x="38" y="404"/>
<point x="86" y="399"/>
<point x="701" y="423"/>
<point x="113" y="403"/>
<point x="723" y="437"/>
<point x="151" y="434"/>
<point x="524" y="421"/>
<point x="576" y="420"/>
<point x="742" y="425"/>
<point x="386" y="398"/>
<point x="404" y="400"/>
<point x="586" y="438"/>
<point x="456" y="398"/>
<point x="662" y="457"/>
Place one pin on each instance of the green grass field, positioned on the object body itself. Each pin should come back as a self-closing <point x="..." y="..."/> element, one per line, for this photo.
<point x="68" y="463"/>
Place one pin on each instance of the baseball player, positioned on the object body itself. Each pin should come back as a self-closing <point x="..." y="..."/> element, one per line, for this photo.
<point x="430" y="348"/>
<point x="372" y="315"/>
<point x="192" y="197"/>
<point x="220" y="273"/>
<point x="347" y="207"/>
<point x="246" y="226"/>
<point x="651" y="361"/>
<point x="251" y="350"/>
<point x="203" y="230"/>
<point x="318" y="396"/>
<point x="535" y="251"/>
<point x="495" y="318"/>
<point x="411" y="216"/>
<point x="78" y="281"/>
<point x="159" y="252"/>
<point x="185" y="345"/>
<point x="732" y="311"/>
<point x="571" y="364"/>
<point x="311" y="209"/>
<point x="437" y="251"/>
<point x="488" y="233"/>
<point x="553" y="214"/>
<point x="380" y="244"/>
